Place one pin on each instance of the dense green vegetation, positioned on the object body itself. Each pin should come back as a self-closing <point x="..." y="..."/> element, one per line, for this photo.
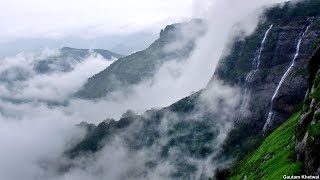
<point x="301" y="9"/>
<point x="274" y="158"/>
<point x="241" y="141"/>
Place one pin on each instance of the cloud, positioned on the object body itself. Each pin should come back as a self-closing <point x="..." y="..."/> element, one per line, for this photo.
<point x="117" y="160"/>
<point x="30" y="135"/>
<point x="21" y="81"/>
<point x="57" y="19"/>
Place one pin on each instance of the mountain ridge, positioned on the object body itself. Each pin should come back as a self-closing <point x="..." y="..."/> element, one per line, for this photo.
<point x="139" y="66"/>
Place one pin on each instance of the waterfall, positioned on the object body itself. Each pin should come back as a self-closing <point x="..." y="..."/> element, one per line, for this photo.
<point x="256" y="61"/>
<point x="271" y="113"/>
<point x="255" y="68"/>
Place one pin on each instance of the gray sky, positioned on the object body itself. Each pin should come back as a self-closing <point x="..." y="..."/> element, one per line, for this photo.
<point x="56" y="19"/>
<point x="122" y="26"/>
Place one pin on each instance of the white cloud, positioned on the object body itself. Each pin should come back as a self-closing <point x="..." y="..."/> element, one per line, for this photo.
<point x="59" y="18"/>
<point x="22" y="82"/>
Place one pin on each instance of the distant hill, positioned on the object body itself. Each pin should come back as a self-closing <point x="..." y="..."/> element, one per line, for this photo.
<point x="176" y="42"/>
<point x="67" y="56"/>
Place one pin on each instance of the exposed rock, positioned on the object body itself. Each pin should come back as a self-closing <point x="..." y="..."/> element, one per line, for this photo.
<point x="277" y="54"/>
<point x="276" y="57"/>
<point x="308" y="131"/>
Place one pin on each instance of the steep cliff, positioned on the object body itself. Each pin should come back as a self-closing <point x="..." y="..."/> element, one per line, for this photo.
<point x="308" y="131"/>
<point x="261" y="61"/>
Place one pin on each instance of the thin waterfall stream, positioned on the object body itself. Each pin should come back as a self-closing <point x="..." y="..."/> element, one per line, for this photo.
<point x="271" y="113"/>
<point x="255" y="68"/>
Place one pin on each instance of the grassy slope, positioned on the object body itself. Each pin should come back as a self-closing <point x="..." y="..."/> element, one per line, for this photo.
<point x="274" y="158"/>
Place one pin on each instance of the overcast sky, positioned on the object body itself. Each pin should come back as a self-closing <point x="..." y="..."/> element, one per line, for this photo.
<point x="90" y="18"/>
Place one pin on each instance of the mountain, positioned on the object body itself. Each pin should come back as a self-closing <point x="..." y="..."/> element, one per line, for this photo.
<point x="176" y="42"/>
<point x="271" y="69"/>
<point x="67" y="56"/>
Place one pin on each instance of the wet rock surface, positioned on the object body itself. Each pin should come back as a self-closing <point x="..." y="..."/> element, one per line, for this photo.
<point x="308" y="131"/>
<point x="276" y="57"/>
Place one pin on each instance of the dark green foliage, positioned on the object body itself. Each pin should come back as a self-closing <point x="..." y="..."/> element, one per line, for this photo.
<point x="195" y="138"/>
<point x="186" y="104"/>
<point x="298" y="107"/>
<point x="234" y="67"/>
<point x="97" y="136"/>
<point x="241" y="140"/>
<point x="306" y="104"/>
<point x="314" y="134"/>
<point x="316" y="94"/>
<point x="302" y="128"/>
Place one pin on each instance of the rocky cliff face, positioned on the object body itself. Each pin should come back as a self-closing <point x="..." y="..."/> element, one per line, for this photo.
<point x="176" y="42"/>
<point x="275" y="56"/>
<point x="308" y="131"/>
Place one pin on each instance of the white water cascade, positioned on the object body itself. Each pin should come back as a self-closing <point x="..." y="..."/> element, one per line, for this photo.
<point x="271" y="113"/>
<point x="255" y="68"/>
<point x="256" y="60"/>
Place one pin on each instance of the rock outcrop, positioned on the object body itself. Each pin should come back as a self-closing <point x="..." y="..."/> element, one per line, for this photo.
<point x="308" y="131"/>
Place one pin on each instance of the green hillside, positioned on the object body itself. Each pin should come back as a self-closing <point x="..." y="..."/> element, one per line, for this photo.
<point x="274" y="158"/>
